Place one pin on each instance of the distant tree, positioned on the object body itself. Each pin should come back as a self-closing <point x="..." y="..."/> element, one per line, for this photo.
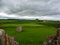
<point x="37" y="19"/>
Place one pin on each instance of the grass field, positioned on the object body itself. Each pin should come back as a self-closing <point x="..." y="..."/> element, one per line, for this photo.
<point x="32" y="34"/>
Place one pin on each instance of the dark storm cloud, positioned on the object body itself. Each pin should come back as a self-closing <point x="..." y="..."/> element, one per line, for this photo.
<point x="30" y="7"/>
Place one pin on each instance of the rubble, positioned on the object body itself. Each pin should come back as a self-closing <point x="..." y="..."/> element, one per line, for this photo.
<point x="7" y="40"/>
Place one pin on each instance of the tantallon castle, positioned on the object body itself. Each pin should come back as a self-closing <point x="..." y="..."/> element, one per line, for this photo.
<point x="7" y="40"/>
<point x="54" y="40"/>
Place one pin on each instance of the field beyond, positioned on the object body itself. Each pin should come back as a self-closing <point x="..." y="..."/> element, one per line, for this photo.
<point x="34" y="32"/>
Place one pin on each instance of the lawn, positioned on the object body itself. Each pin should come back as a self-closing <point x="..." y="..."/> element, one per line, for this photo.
<point x="32" y="34"/>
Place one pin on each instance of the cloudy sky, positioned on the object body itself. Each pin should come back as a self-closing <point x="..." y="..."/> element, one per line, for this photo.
<point x="30" y="9"/>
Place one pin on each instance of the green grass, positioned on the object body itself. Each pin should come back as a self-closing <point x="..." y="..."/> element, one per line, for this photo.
<point x="32" y="34"/>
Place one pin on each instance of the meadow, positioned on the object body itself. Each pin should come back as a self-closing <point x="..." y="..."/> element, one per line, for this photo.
<point x="34" y="32"/>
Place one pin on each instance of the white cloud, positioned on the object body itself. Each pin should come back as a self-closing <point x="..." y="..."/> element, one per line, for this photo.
<point x="6" y="16"/>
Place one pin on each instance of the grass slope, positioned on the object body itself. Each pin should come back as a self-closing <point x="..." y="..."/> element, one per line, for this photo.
<point x="33" y="34"/>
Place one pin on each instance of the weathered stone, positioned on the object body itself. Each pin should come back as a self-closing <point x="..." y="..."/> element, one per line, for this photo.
<point x="19" y="29"/>
<point x="53" y="40"/>
<point x="5" y="39"/>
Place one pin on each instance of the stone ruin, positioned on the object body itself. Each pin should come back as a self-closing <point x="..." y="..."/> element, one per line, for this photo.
<point x="53" y="40"/>
<point x="7" y="40"/>
<point x="19" y="29"/>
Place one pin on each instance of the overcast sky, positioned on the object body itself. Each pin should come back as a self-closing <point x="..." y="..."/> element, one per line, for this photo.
<point x="30" y="9"/>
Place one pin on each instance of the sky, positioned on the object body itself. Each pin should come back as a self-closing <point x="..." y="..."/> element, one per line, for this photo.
<point x="30" y="9"/>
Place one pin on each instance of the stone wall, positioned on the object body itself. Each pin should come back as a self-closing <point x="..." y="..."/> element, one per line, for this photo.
<point x="55" y="39"/>
<point x="7" y="40"/>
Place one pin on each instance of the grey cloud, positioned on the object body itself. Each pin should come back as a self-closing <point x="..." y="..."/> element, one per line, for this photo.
<point x="31" y="7"/>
